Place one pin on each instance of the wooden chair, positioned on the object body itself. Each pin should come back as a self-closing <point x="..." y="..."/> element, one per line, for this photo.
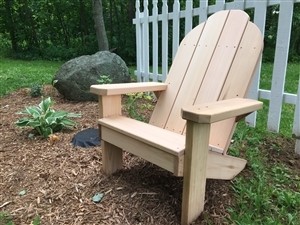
<point x="197" y="108"/>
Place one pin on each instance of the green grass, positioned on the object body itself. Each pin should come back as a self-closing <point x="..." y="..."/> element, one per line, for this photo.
<point x="291" y="86"/>
<point x="6" y="219"/>
<point x="270" y="193"/>
<point x="15" y="74"/>
<point x="291" y="81"/>
<point x="264" y="196"/>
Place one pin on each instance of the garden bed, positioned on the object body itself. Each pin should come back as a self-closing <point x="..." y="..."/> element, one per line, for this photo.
<point x="58" y="181"/>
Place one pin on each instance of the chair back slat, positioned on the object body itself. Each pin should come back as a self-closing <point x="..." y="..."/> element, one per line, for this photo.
<point x="215" y="61"/>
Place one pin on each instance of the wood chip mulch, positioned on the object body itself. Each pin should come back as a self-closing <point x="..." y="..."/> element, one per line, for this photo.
<point x="59" y="180"/>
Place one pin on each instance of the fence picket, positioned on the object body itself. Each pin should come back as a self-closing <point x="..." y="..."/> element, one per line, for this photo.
<point x="165" y="31"/>
<point x="154" y="41"/>
<point x="188" y="16"/>
<point x="280" y="64"/>
<point x="160" y="19"/>
<point x="138" y="28"/>
<point x="176" y="27"/>
<point x="203" y="10"/>
<point x="260" y="20"/>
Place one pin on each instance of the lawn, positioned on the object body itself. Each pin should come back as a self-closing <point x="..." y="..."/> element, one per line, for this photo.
<point x="15" y="74"/>
<point x="266" y="192"/>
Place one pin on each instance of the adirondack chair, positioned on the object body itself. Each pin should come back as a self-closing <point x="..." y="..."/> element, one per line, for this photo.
<point x="198" y="106"/>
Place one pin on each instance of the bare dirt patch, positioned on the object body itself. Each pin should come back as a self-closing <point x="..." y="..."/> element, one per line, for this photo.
<point x="60" y="179"/>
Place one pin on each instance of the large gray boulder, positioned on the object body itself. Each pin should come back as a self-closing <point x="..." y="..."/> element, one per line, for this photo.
<point x="74" y="78"/>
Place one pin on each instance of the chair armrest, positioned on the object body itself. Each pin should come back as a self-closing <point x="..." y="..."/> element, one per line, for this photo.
<point x="220" y="110"/>
<point x="125" y="88"/>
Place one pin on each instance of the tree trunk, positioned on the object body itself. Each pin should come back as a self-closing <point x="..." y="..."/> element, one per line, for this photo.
<point x="99" y="25"/>
<point x="83" y="23"/>
<point x="10" y="25"/>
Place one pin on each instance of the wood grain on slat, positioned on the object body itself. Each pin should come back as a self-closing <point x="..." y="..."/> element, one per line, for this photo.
<point x="219" y="166"/>
<point x="238" y="81"/>
<point x="125" y="88"/>
<point x="194" y="73"/>
<point x="160" y="138"/>
<point x="175" y="77"/>
<point x="220" y="110"/>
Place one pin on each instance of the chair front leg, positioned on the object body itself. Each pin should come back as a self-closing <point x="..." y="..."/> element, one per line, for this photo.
<point x="112" y="156"/>
<point x="194" y="173"/>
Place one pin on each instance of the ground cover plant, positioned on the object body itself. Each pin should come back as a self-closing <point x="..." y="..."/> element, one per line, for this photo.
<point x="54" y="183"/>
<point x="45" y="120"/>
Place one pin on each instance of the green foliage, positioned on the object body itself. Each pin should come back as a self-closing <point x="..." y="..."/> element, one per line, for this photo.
<point x="5" y="219"/>
<point x="36" y="220"/>
<point x="36" y="90"/>
<point x="104" y="79"/>
<point x="16" y="74"/>
<point x="137" y="102"/>
<point x="45" y="120"/>
<point x="268" y="194"/>
<point x="61" y="30"/>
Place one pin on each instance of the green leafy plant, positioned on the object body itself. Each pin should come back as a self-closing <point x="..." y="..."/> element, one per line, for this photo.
<point x="137" y="102"/>
<point x="36" y="90"/>
<point x="45" y="120"/>
<point x="6" y="219"/>
<point x="36" y="220"/>
<point x="104" y="79"/>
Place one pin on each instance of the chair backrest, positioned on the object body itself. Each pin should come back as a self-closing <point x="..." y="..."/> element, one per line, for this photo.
<point x="215" y="61"/>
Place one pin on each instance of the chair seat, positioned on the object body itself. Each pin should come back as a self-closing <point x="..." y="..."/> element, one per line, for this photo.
<point x="163" y="147"/>
<point x="166" y="140"/>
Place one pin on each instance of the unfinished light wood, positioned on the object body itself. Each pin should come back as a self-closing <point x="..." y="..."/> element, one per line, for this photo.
<point x="214" y="64"/>
<point x="145" y="141"/>
<point x="112" y="156"/>
<point x="194" y="173"/>
<point x="114" y="103"/>
<point x="221" y="110"/>
<point x="118" y="89"/>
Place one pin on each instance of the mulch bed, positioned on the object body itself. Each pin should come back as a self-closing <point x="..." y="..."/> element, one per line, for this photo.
<point x="60" y="179"/>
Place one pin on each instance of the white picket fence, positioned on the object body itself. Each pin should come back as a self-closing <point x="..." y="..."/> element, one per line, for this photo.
<point x="153" y="34"/>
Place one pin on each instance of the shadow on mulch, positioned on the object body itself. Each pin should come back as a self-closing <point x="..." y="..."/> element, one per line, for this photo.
<point x="60" y="180"/>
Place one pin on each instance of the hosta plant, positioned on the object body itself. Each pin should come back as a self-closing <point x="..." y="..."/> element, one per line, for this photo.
<point x="45" y="120"/>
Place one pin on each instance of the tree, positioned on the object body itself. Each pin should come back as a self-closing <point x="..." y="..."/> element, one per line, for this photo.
<point x="10" y="25"/>
<point x="99" y="25"/>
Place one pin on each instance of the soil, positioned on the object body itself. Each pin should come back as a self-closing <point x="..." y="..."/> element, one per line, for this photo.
<point x="60" y="180"/>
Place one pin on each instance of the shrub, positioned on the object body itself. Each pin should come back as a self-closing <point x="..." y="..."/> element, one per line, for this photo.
<point x="36" y="90"/>
<point x="45" y="120"/>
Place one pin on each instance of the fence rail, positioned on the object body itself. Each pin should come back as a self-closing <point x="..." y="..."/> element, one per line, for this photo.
<point x="158" y="29"/>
